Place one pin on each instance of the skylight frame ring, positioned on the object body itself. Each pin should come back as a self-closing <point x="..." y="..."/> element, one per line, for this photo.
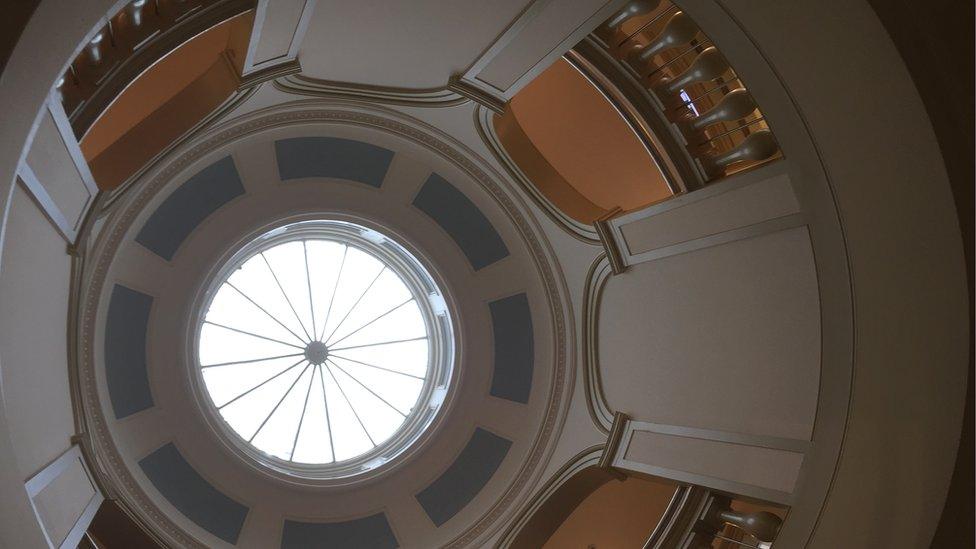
<point x="436" y="310"/>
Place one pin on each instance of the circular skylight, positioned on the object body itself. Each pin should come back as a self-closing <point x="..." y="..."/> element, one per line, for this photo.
<point x="325" y="348"/>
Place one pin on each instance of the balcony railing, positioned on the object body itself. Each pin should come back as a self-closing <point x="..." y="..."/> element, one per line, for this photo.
<point x="129" y="42"/>
<point x="697" y="518"/>
<point x="659" y="68"/>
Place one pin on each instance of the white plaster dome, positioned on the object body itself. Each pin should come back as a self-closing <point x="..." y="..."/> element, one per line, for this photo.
<point x="189" y="276"/>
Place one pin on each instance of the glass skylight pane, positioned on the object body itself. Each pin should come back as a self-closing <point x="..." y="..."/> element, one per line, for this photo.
<point x="254" y="281"/>
<point x="313" y="439"/>
<point x="227" y="382"/>
<point x="229" y="308"/>
<point x="402" y="323"/>
<point x="277" y="435"/>
<point x="409" y="357"/>
<point x="220" y="345"/>
<point x="315" y="351"/>
<point x="247" y="412"/>
<point x="350" y="438"/>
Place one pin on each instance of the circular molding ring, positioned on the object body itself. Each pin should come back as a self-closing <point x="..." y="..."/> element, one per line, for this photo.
<point x="434" y="309"/>
<point x="123" y="211"/>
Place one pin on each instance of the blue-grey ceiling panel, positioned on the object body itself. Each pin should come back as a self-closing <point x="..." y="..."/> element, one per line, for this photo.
<point x="188" y="206"/>
<point x="511" y="324"/>
<point x="462" y="481"/>
<point x="372" y="532"/>
<point x="457" y="215"/>
<point x="196" y="498"/>
<point x="125" y="351"/>
<point x="334" y="157"/>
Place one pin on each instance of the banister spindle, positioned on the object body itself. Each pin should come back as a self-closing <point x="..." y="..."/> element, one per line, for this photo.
<point x="679" y="30"/>
<point x="630" y="10"/>
<point x="735" y="105"/>
<point x="761" y="525"/>
<point x="59" y="88"/>
<point x="134" y="9"/>
<point x="757" y="146"/>
<point x="94" y="48"/>
<point x="709" y="65"/>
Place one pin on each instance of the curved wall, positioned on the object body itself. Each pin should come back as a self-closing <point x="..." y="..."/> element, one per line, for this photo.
<point x="904" y="253"/>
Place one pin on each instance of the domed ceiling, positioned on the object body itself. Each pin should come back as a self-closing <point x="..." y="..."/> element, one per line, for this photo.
<point x="159" y="315"/>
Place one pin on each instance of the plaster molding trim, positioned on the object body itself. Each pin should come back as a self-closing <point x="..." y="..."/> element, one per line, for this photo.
<point x="486" y="129"/>
<point x="130" y="202"/>
<point x="596" y="401"/>
<point x="486" y="99"/>
<point x="604" y="228"/>
<point x="298" y="84"/>
<point x="612" y="447"/>
<point x="272" y="72"/>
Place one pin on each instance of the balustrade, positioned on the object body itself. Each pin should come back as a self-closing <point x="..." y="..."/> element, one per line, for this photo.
<point x="698" y="518"/>
<point x="129" y="41"/>
<point x="690" y="84"/>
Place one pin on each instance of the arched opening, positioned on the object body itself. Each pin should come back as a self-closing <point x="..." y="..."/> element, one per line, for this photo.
<point x="168" y="99"/>
<point x="593" y="508"/>
<point x="577" y="149"/>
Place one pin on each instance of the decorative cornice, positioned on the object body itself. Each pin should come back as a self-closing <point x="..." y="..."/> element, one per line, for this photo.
<point x="298" y="84"/>
<point x="612" y="446"/>
<point x="465" y="88"/>
<point x="280" y="70"/>
<point x="130" y="203"/>
<point x="610" y="245"/>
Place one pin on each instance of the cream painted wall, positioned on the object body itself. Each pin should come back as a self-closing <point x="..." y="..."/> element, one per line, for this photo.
<point x="875" y="147"/>
<point x="33" y="320"/>
<point x="38" y="58"/>
<point x="723" y="338"/>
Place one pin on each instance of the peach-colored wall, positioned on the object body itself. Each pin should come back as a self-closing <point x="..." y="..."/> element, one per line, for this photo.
<point x="579" y="133"/>
<point x="618" y="515"/>
<point x="161" y="82"/>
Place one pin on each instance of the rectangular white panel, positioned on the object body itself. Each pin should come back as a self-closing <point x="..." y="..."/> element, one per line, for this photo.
<point x="738" y="207"/>
<point x="65" y="499"/>
<point x="34" y="282"/>
<point x="56" y="173"/>
<point x="542" y="33"/>
<point x="556" y="27"/>
<point x="279" y="26"/>
<point x="744" y="466"/>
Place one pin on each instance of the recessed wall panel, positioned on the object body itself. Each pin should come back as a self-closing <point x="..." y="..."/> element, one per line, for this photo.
<point x="373" y="532"/>
<point x="462" y="220"/>
<point x="188" y="206"/>
<point x="192" y="495"/>
<point x="332" y="157"/>
<point x="511" y="324"/>
<point x="462" y="481"/>
<point x="125" y="351"/>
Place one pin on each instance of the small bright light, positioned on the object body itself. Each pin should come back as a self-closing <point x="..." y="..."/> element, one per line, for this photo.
<point x="687" y="99"/>
<point x="316" y="350"/>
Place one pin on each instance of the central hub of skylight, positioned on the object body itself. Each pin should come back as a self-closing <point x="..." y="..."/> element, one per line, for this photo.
<point x="316" y="352"/>
<point x="324" y="349"/>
